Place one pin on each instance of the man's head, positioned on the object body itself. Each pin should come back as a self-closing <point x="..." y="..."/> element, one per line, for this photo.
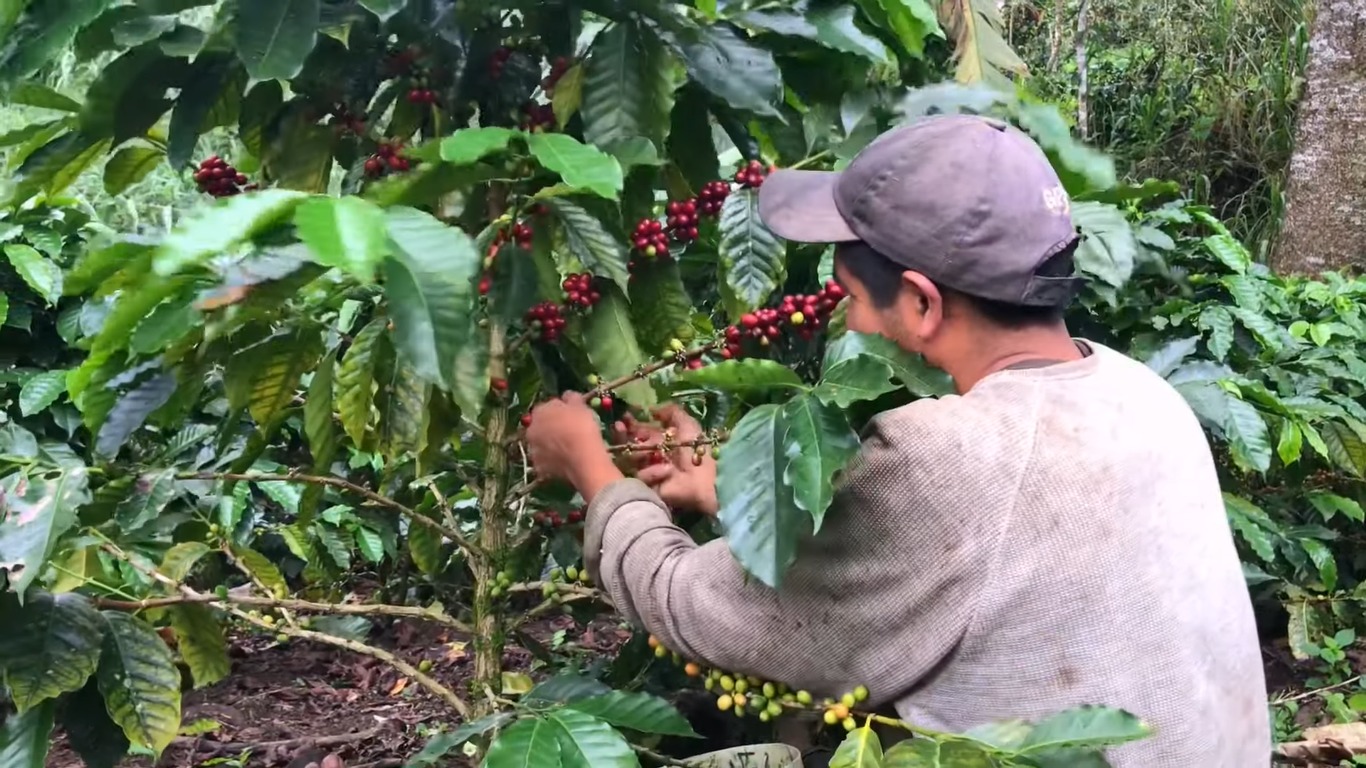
<point x="952" y="234"/>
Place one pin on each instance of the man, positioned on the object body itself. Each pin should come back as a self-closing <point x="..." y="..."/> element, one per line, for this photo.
<point x="1052" y="535"/>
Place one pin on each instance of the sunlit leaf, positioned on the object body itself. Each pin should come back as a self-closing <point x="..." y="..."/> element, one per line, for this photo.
<point x="140" y="682"/>
<point x="753" y="259"/>
<point x="346" y="232"/>
<point x="39" y="508"/>
<point x="201" y="643"/>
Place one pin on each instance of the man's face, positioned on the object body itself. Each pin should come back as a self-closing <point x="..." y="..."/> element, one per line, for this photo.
<point x="912" y="320"/>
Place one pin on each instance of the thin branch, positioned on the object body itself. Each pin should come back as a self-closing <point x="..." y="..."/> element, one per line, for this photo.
<point x="1317" y="691"/>
<point x="302" y="741"/>
<point x="347" y="485"/>
<point x="301" y="606"/>
<point x="439" y="690"/>
<point x="658" y="757"/>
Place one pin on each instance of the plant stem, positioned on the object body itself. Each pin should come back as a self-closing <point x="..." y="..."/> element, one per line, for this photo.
<point x="301" y="606"/>
<point x="646" y="370"/>
<point x="339" y="483"/>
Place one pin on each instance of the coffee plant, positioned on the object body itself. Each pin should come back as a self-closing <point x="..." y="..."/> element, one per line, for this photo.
<point x="437" y="215"/>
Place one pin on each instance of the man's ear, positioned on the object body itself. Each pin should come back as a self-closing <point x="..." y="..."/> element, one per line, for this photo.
<point x="927" y="302"/>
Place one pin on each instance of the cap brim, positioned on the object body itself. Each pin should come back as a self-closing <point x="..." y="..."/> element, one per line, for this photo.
<point x="800" y="206"/>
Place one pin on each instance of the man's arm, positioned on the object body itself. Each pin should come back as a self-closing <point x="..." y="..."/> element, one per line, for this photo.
<point x="880" y="597"/>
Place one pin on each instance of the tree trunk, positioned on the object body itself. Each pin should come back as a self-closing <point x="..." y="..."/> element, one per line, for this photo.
<point x="1083" y="84"/>
<point x="1325" y="220"/>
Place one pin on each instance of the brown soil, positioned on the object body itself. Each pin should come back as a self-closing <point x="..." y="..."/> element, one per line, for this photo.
<point x="280" y="698"/>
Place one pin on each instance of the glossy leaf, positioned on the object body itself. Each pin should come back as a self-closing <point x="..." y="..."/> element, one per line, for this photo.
<point x="217" y="228"/>
<point x="261" y="568"/>
<point x="861" y="367"/>
<point x="736" y="71"/>
<point x="39" y="272"/>
<point x="439" y="745"/>
<point x="1345" y="447"/>
<point x="531" y="742"/>
<point x="40" y="32"/>
<point x="861" y="748"/>
<point x="274" y="37"/>
<point x="762" y="521"/>
<point x="26" y="737"/>
<point x="910" y="21"/>
<point x="612" y="347"/>
<point x="587" y="742"/>
<point x="40" y="391"/>
<point x="407" y="414"/>
<point x="128" y="166"/>
<point x="430" y="285"/>
<point x="131" y="411"/>
<point x="1092" y="727"/>
<point x="39" y="508"/>
<point x="1243" y="516"/>
<point x="51" y="646"/>
<point x="565" y="688"/>
<point x="470" y="145"/>
<point x="832" y="26"/>
<point x="926" y="753"/>
<point x="628" y="88"/>
<point x="753" y="259"/>
<point x="152" y="491"/>
<point x="637" y="712"/>
<point x="588" y="241"/>
<point x="181" y="558"/>
<point x="660" y="307"/>
<point x="201" y="643"/>
<point x="209" y="75"/>
<point x="140" y="682"/>
<point x="355" y="387"/>
<point x="1166" y="359"/>
<point x="58" y="163"/>
<point x="128" y="96"/>
<point x="582" y="167"/>
<point x="1108" y="249"/>
<point x="747" y="377"/>
<point x="1247" y="434"/>
<point x="817" y="443"/>
<point x="344" y="232"/>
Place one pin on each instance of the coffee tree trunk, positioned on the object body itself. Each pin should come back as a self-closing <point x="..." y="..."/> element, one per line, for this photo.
<point x="1325" y="222"/>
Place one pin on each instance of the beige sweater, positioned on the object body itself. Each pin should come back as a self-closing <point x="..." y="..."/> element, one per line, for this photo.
<point x="1055" y="537"/>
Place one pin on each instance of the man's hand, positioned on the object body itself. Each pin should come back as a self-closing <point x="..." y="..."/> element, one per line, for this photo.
<point x="565" y="442"/>
<point x="682" y="481"/>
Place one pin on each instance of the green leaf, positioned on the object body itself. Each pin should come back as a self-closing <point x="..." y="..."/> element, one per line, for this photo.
<point x="1108" y="249"/>
<point x="201" y="643"/>
<point x="211" y="74"/>
<point x="979" y="49"/>
<point x="344" y="232"/>
<point x="612" y="347"/>
<point x="831" y="26"/>
<point x="911" y="21"/>
<point x="51" y="646"/>
<point x="753" y="259"/>
<point x="925" y="753"/>
<point x="35" y="94"/>
<point x="587" y="742"/>
<point x="274" y="37"/>
<point x="181" y="558"/>
<point x="1243" y="516"/>
<point x="57" y="164"/>
<point x="26" y="737"/>
<point x="531" y="742"/>
<point x="40" y="32"/>
<point x="818" y="442"/>
<point x="860" y="749"/>
<point x="296" y="152"/>
<point x="219" y="227"/>
<point x="38" y="509"/>
<point x="1219" y="323"/>
<point x="660" y="307"/>
<point x="318" y="427"/>
<point x="140" y="682"/>
<point x="261" y="568"/>
<point x="1322" y="557"/>
<point x="259" y="109"/>
<point x="582" y="167"/>
<point x="1329" y="504"/>
<point x="1229" y="251"/>
<point x="470" y="145"/>
<point x="424" y="545"/>
<point x="747" y="377"/>
<point x="442" y="743"/>
<point x="638" y="712"/>
<point x="628" y="88"/>
<point x="96" y="738"/>
<point x="589" y="242"/>
<point x="740" y="74"/>
<point x="762" y="521"/>
<point x="151" y="493"/>
<point x="1091" y="727"/>
<point x="862" y="366"/>
<point x="430" y="285"/>
<point x="38" y="272"/>
<point x="355" y="387"/>
<point x="128" y="96"/>
<point x="40" y="391"/>
<point x="565" y="688"/>
<point x="406" y="415"/>
<point x="384" y="9"/>
<point x="1170" y="356"/>
<point x="1248" y="435"/>
<point x="168" y="323"/>
<point x="1345" y="447"/>
<point x="128" y="166"/>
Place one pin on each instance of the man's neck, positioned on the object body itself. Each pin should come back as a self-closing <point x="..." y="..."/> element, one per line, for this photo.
<point x="1049" y="345"/>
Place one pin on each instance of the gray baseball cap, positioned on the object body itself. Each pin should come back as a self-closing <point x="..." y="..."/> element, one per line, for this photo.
<point x="969" y="201"/>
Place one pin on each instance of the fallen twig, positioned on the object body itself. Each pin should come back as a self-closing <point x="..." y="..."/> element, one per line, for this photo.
<point x="198" y="745"/>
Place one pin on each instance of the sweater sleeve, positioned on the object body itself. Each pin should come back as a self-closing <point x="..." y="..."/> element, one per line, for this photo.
<point x="879" y="597"/>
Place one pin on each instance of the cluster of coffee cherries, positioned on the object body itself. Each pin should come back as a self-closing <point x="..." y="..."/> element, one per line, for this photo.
<point x="215" y="177"/>
<point x="572" y="575"/>
<point x="501" y="581"/>
<point x="711" y="197"/>
<point x="551" y="518"/>
<point x="498" y="60"/>
<point x="519" y="233"/>
<point x="801" y="314"/>
<point x="421" y="94"/>
<point x="385" y="159"/>
<point x="682" y="220"/>
<point x="344" y="120"/>
<point x="579" y="291"/>
<point x="557" y="69"/>
<point x="650" y="239"/>
<point x="753" y="174"/>
<point x="746" y="694"/>
<point x="546" y="321"/>
<point x="537" y="117"/>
